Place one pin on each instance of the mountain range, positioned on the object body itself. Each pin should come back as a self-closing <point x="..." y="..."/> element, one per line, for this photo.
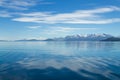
<point x="80" y="37"/>
<point x="87" y="37"/>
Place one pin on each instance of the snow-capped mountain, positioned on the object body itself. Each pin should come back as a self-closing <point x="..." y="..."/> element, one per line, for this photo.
<point x="86" y="37"/>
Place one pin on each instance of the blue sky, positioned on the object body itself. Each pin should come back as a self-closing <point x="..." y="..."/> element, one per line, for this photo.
<point x="27" y="19"/>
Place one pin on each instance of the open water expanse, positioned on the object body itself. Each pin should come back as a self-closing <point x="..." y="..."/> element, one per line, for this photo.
<point x="51" y="60"/>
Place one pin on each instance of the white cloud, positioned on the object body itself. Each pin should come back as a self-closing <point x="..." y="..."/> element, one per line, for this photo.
<point x="102" y="21"/>
<point x="101" y="10"/>
<point x="93" y="16"/>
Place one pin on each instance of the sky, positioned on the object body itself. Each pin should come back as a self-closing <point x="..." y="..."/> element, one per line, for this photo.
<point x="41" y="19"/>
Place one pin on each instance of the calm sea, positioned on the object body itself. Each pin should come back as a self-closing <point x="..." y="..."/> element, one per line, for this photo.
<point x="60" y="60"/>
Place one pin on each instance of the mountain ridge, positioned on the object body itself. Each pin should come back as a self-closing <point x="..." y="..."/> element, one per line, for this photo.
<point x="86" y="37"/>
<point x="78" y="37"/>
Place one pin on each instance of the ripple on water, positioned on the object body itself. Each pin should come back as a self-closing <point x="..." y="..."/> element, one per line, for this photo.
<point x="61" y="61"/>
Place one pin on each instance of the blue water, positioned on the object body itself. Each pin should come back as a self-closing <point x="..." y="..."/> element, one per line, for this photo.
<point x="60" y="60"/>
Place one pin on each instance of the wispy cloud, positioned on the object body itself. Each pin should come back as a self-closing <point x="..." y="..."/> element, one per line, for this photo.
<point x="65" y="30"/>
<point x="20" y="4"/>
<point x="5" y="14"/>
<point x="93" y="16"/>
<point x="101" y="10"/>
<point x="33" y="27"/>
<point x="54" y="30"/>
<point x="17" y="4"/>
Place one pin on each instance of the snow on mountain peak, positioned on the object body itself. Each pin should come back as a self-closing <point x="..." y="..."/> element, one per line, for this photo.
<point x="88" y="37"/>
<point x="91" y="35"/>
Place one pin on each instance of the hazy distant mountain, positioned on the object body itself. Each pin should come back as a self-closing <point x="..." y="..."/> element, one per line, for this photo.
<point x="28" y="40"/>
<point x="87" y="37"/>
<point x="49" y="40"/>
<point x="3" y="41"/>
<point x="112" y="39"/>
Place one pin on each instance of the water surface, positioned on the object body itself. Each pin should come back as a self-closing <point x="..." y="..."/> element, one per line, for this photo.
<point x="60" y="60"/>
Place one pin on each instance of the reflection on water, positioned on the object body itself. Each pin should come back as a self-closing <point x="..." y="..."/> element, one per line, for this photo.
<point x="59" y="60"/>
